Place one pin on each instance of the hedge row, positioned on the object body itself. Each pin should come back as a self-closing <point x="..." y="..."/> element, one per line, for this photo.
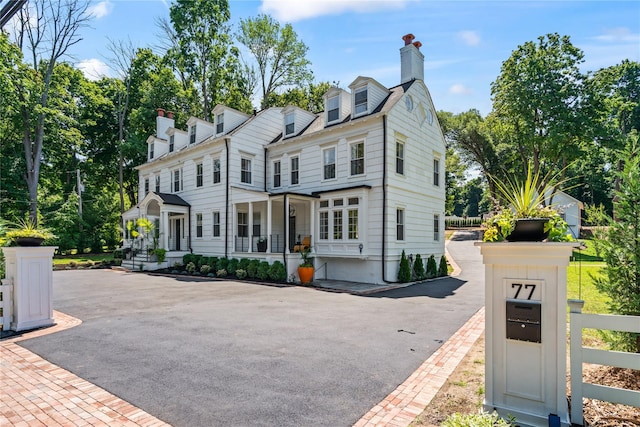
<point x="240" y="268"/>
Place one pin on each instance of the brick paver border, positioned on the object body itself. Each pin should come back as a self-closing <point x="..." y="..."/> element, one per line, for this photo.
<point x="411" y="397"/>
<point x="38" y="393"/>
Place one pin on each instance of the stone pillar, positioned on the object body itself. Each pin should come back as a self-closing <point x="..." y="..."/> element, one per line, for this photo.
<point x="526" y="330"/>
<point x="30" y="269"/>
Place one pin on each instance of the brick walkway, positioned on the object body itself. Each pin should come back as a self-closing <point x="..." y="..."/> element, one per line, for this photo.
<point x="411" y="397"/>
<point x="38" y="393"/>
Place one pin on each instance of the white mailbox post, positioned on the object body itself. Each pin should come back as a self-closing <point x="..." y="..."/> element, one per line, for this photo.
<point x="31" y="272"/>
<point x="526" y="330"/>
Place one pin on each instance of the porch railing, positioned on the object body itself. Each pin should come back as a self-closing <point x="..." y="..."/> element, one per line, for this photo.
<point x="259" y="243"/>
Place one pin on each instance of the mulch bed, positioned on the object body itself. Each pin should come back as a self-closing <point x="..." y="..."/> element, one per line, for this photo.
<point x="604" y="414"/>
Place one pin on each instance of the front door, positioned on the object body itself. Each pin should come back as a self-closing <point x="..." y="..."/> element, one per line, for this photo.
<point x="292" y="232"/>
<point x="178" y="234"/>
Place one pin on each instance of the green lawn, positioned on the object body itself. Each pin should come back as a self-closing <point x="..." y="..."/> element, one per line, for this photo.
<point x="81" y="258"/>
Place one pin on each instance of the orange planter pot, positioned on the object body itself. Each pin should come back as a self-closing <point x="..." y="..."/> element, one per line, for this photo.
<point x="305" y="274"/>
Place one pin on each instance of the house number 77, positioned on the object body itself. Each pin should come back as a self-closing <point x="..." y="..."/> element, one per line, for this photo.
<point x="526" y="287"/>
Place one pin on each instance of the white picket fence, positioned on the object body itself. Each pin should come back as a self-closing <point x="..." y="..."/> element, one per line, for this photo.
<point x="580" y="355"/>
<point x="6" y="304"/>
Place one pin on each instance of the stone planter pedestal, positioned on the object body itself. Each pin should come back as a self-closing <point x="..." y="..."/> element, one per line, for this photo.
<point x="30" y="271"/>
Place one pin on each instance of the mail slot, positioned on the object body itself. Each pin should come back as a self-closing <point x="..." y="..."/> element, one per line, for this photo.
<point x="524" y="320"/>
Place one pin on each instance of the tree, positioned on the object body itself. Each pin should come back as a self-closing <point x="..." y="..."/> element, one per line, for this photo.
<point x="46" y="31"/>
<point x="279" y="54"/>
<point x="203" y="55"/>
<point x="620" y="248"/>
<point x="540" y="99"/>
<point x="309" y="97"/>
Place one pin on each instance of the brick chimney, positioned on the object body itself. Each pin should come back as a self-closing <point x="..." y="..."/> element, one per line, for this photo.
<point x="411" y="60"/>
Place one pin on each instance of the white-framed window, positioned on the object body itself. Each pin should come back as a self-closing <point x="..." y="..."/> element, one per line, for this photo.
<point x="146" y="186"/>
<point x="199" y="175"/>
<point x="245" y="170"/>
<point x="329" y="162"/>
<point x="399" y="224"/>
<point x="337" y="225"/>
<point x="172" y="143"/>
<point x="216" y="224"/>
<point x="216" y="170"/>
<point x="192" y="134"/>
<point x="276" y="173"/>
<point x="400" y="157"/>
<point x="289" y="123"/>
<point x="324" y="225"/>
<point x="333" y="109"/>
<point x="436" y="172"/>
<point x="243" y="224"/>
<point x="177" y="180"/>
<point x="157" y="183"/>
<point x="220" y="123"/>
<point x="361" y="104"/>
<point x="295" y="170"/>
<point x="198" y="225"/>
<point x="357" y="158"/>
<point x="151" y="149"/>
<point x="436" y="227"/>
<point x="352" y="218"/>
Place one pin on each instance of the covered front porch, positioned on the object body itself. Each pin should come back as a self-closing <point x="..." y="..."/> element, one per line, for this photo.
<point x="272" y="223"/>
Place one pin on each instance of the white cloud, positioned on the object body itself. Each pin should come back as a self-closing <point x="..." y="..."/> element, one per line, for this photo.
<point x="93" y="69"/>
<point x="470" y="38"/>
<point x="619" y="34"/>
<point x="101" y="9"/>
<point x="459" y="89"/>
<point x="297" y="10"/>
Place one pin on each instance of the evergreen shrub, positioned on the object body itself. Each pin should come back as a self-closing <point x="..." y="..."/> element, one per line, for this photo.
<point x="432" y="268"/>
<point x="404" y="272"/>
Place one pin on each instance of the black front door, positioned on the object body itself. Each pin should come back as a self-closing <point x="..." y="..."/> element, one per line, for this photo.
<point x="292" y="232"/>
<point x="178" y="234"/>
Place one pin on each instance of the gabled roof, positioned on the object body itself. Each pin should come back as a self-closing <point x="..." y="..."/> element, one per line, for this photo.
<point x="171" y="199"/>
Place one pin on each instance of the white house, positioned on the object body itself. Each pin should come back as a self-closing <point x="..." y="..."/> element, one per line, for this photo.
<point x="360" y="182"/>
<point x="570" y="209"/>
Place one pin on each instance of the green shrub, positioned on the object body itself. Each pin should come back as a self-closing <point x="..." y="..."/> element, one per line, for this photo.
<point x="404" y="272"/>
<point x="443" y="269"/>
<point x="241" y="274"/>
<point x="187" y="258"/>
<point x="118" y="254"/>
<point x="213" y="262"/>
<point x="263" y="270"/>
<point x="278" y="272"/>
<point x="432" y="268"/>
<point x="418" y="268"/>
<point x="161" y="255"/>
<point x="232" y="266"/>
<point x="221" y="273"/>
<point x="482" y="419"/>
<point x="244" y="263"/>
<point x="252" y="268"/>
<point x="222" y="264"/>
<point x="205" y="269"/>
<point x="191" y="267"/>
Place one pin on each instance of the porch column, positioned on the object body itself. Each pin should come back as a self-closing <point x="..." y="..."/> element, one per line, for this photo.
<point x="286" y="224"/>
<point x="234" y="216"/>
<point x="250" y="219"/>
<point x="312" y="226"/>
<point x="164" y="228"/>
<point x="269" y="202"/>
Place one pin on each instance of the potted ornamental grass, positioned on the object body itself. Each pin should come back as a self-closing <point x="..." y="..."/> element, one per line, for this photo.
<point x="526" y="217"/>
<point x="305" y="269"/>
<point x="27" y="233"/>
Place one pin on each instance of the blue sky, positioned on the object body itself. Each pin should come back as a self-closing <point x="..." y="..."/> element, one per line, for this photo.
<point x="464" y="42"/>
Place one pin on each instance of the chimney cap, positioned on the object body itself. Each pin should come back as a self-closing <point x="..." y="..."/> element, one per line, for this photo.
<point x="408" y="38"/>
<point x="417" y="44"/>
<point x="160" y="112"/>
<point x="170" y="114"/>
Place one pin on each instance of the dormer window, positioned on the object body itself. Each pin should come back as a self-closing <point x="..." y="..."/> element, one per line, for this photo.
<point x="333" y="109"/>
<point x="289" y="123"/>
<point x="192" y="134"/>
<point x="220" y="123"/>
<point x="172" y="143"/>
<point x="361" y="101"/>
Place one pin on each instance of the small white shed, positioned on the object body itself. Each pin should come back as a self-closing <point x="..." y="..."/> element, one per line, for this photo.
<point x="570" y="209"/>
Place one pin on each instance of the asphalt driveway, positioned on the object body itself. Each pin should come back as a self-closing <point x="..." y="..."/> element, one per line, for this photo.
<point x="201" y="353"/>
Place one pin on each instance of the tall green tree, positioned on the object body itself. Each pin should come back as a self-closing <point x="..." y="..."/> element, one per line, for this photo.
<point x="621" y="247"/>
<point x="46" y="31"/>
<point x="203" y="54"/>
<point x="279" y="55"/>
<point x="539" y="97"/>
<point x="309" y="97"/>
